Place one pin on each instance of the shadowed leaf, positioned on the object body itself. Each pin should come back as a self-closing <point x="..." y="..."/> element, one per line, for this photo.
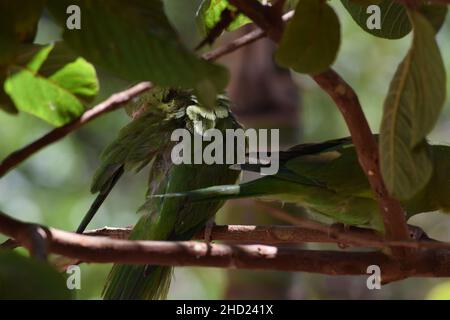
<point x="135" y="40"/>
<point x="394" y="18"/>
<point x="412" y="107"/>
<point x="311" y="40"/>
<point x="18" y="24"/>
<point x="26" y="278"/>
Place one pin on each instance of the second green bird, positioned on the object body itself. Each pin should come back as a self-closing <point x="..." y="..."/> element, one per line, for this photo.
<point x="326" y="178"/>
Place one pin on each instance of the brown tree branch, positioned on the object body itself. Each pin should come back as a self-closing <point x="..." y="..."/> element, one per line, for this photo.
<point x="351" y="237"/>
<point x="347" y="237"/>
<point x="31" y="236"/>
<point x="305" y="232"/>
<point x="348" y="103"/>
<point x="426" y="263"/>
<point x="112" y="103"/>
<point x="242" y="41"/>
<point x="243" y="234"/>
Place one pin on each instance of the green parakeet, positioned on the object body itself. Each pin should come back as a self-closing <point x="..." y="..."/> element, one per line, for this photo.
<point x="326" y="178"/>
<point x="147" y="141"/>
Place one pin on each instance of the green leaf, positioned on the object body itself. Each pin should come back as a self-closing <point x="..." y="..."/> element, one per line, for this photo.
<point x="18" y="24"/>
<point x="311" y="40"/>
<point x="52" y="86"/>
<point x="412" y="107"/>
<point x="5" y="101"/>
<point x="26" y="278"/>
<point x="394" y="18"/>
<point x="291" y="4"/>
<point x="209" y="14"/>
<point x="23" y="56"/>
<point x="135" y="40"/>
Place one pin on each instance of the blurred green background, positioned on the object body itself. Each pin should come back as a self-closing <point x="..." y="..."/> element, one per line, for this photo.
<point x="52" y="187"/>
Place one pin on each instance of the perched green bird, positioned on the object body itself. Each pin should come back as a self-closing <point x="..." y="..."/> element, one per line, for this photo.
<point x="326" y="178"/>
<point x="147" y="141"/>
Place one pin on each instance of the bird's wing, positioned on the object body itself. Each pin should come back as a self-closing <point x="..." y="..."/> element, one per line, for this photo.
<point x="332" y="165"/>
<point x="135" y="146"/>
<point x="336" y="168"/>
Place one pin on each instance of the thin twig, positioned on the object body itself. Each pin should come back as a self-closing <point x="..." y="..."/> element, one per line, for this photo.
<point x="112" y="103"/>
<point x="242" y="41"/>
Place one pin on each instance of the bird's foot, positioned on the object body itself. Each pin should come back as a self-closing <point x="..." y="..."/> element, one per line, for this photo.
<point x="336" y="228"/>
<point x="334" y="231"/>
<point x="417" y="233"/>
<point x="210" y="224"/>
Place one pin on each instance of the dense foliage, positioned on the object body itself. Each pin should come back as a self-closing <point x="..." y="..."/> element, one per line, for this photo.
<point x="123" y="42"/>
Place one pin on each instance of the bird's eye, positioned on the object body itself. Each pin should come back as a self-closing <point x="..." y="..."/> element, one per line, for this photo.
<point x="169" y="96"/>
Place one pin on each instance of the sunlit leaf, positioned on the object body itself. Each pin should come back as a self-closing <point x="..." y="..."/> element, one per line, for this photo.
<point x="53" y="87"/>
<point x="209" y="14"/>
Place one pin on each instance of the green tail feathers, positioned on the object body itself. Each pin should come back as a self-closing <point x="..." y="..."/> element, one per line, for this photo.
<point x="211" y="193"/>
<point x="265" y="187"/>
<point x="138" y="282"/>
<point x="224" y="192"/>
